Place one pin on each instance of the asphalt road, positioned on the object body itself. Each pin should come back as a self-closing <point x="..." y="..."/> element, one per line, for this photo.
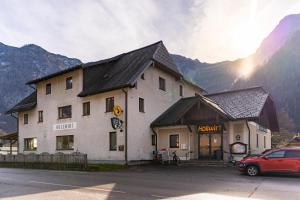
<point x="146" y="182"/>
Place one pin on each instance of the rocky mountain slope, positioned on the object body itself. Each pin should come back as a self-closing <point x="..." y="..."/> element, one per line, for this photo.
<point x="17" y="66"/>
<point x="276" y="67"/>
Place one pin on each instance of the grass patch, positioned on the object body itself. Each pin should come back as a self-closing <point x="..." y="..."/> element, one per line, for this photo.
<point x="105" y="167"/>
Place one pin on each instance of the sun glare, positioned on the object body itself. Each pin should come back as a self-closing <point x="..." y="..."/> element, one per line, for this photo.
<point x="246" y="68"/>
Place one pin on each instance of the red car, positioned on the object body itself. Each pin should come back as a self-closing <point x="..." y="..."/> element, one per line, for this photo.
<point x="277" y="160"/>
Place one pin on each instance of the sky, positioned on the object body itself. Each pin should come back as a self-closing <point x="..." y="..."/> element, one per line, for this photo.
<point x="90" y="30"/>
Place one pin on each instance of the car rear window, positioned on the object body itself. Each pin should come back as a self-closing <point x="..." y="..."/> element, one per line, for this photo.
<point x="292" y="154"/>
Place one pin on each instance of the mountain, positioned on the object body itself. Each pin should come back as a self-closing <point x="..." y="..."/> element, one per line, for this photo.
<point x="276" y="67"/>
<point x="19" y="65"/>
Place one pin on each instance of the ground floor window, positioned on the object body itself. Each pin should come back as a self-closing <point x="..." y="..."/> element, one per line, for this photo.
<point x="174" y="141"/>
<point x="65" y="142"/>
<point x="153" y="140"/>
<point x="113" y="141"/>
<point x="30" y="144"/>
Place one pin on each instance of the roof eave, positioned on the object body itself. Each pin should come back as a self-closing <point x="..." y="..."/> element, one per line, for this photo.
<point x="85" y="94"/>
<point x="44" y="78"/>
<point x="15" y="110"/>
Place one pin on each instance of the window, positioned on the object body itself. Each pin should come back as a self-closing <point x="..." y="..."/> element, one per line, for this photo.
<point x="110" y="104"/>
<point x="69" y="83"/>
<point x="48" y="88"/>
<point x="174" y="141"/>
<point x="276" y="154"/>
<point x="25" y="118"/>
<point x="153" y="139"/>
<point x="113" y="141"/>
<point x="141" y="105"/>
<point x="180" y="90"/>
<point x="30" y="144"/>
<point x="143" y="76"/>
<point x="41" y="118"/>
<point x="257" y="140"/>
<point x="64" y="112"/>
<point x="65" y="142"/>
<point x="86" y="108"/>
<point x="292" y="154"/>
<point x="162" y="84"/>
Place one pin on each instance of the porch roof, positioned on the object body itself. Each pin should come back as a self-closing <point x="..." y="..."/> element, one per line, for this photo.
<point x="172" y="115"/>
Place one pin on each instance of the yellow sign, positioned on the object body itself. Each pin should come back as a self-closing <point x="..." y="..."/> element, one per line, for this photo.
<point x="118" y="110"/>
<point x="210" y="128"/>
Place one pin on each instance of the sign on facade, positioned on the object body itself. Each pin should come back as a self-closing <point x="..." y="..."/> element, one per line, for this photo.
<point x="211" y="128"/>
<point x="116" y="123"/>
<point x="64" y="126"/>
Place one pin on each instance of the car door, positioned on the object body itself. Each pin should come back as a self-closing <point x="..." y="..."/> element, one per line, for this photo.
<point x="275" y="161"/>
<point x="293" y="160"/>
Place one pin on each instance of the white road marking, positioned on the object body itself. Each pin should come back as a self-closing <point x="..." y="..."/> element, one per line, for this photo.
<point x="76" y="186"/>
<point x="158" y="196"/>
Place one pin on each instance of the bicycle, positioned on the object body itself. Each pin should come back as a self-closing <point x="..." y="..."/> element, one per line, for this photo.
<point x="176" y="159"/>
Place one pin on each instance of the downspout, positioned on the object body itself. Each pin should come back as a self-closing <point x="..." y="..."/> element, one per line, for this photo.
<point x="155" y="133"/>
<point x="17" y="118"/>
<point x="126" y="123"/>
<point x="249" y="137"/>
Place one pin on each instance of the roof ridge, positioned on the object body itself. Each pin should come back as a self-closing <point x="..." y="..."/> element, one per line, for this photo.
<point x="102" y="61"/>
<point x="237" y="90"/>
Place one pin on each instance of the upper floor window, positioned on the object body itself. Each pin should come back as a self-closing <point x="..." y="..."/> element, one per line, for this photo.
<point x="86" y="108"/>
<point x="110" y="104"/>
<point x="25" y="118"/>
<point x="41" y="117"/>
<point x="180" y="90"/>
<point x="65" y="112"/>
<point x="162" y="84"/>
<point x="141" y="105"/>
<point x="69" y="83"/>
<point x="30" y="144"/>
<point x="48" y="88"/>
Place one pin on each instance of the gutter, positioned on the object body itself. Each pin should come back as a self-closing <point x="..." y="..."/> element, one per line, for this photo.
<point x="17" y="118"/>
<point x="249" y="137"/>
<point x="126" y="123"/>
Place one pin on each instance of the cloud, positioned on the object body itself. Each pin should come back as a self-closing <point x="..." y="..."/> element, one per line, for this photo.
<point x="91" y="30"/>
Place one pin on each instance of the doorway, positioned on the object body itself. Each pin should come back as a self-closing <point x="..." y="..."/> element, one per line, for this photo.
<point x="210" y="146"/>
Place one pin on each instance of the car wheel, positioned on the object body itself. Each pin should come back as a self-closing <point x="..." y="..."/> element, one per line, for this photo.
<point x="252" y="170"/>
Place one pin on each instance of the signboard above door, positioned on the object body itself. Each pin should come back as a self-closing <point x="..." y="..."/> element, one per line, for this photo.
<point x="210" y="128"/>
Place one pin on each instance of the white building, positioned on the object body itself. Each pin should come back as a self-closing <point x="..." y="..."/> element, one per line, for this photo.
<point x="155" y="108"/>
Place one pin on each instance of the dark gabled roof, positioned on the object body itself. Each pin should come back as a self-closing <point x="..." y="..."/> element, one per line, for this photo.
<point x="114" y="73"/>
<point x="10" y="136"/>
<point x="26" y="104"/>
<point x="54" y="74"/>
<point x="233" y="105"/>
<point x="123" y="70"/>
<point x="181" y="107"/>
<point x="242" y="104"/>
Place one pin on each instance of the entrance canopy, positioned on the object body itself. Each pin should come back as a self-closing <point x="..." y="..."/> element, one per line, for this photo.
<point x="253" y="104"/>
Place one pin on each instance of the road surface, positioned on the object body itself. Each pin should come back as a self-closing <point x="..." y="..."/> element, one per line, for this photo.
<point x="146" y="182"/>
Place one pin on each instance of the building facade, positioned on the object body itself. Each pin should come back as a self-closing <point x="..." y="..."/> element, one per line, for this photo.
<point x="115" y="110"/>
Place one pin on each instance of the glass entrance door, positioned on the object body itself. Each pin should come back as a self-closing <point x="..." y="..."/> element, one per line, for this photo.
<point x="204" y="147"/>
<point x="210" y="146"/>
